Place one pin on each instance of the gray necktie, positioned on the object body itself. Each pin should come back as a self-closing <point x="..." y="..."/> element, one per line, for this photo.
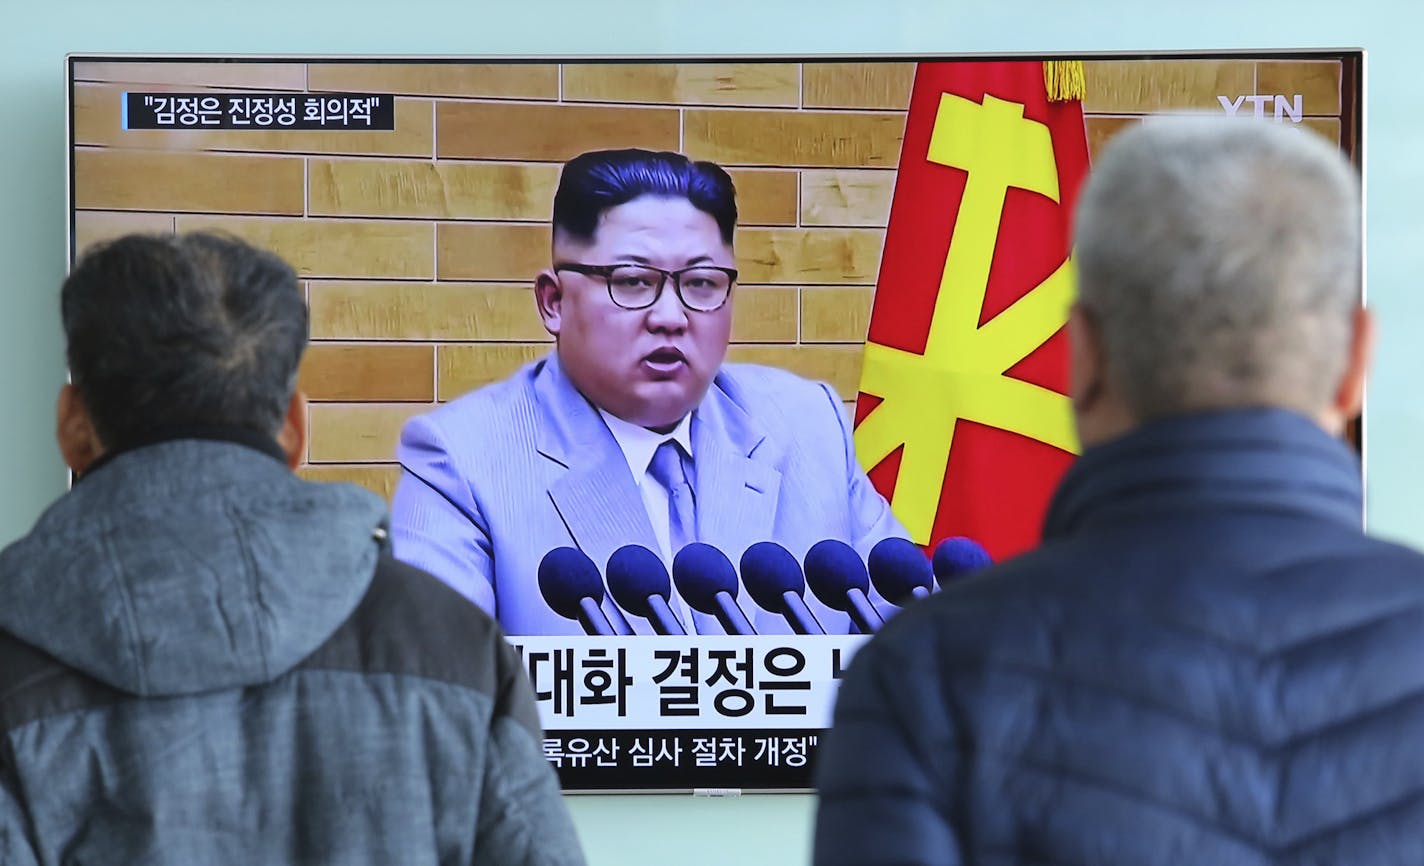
<point x="667" y="469"/>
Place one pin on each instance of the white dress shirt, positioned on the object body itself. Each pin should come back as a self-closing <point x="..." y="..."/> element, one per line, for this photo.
<point x="638" y="445"/>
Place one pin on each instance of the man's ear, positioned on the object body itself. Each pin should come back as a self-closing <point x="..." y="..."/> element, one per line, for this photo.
<point x="549" y="297"/>
<point x="293" y="436"/>
<point x="1086" y="369"/>
<point x="74" y="431"/>
<point x="1350" y="392"/>
<point x="1099" y="410"/>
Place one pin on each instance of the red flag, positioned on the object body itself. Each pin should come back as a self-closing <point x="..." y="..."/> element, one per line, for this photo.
<point x="963" y="420"/>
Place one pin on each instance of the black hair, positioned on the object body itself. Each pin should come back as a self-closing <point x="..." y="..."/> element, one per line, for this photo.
<point x="193" y="330"/>
<point x="594" y="182"/>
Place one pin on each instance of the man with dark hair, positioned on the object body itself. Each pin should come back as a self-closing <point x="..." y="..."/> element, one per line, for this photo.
<point x="1208" y="661"/>
<point x="633" y="431"/>
<point x="203" y="658"/>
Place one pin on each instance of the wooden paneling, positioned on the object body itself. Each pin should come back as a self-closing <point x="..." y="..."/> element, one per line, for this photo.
<point x="512" y="80"/>
<point x="254" y="76"/>
<point x="1328" y="127"/>
<point x="380" y="479"/>
<point x="91" y="227"/>
<point x="424" y="311"/>
<point x="763" y="314"/>
<point x="474" y="251"/>
<point x="794" y="138"/>
<point x="836" y="315"/>
<point x="386" y="221"/>
<point x="1144" y="86"/>
<point x="1101" y="129"/>
<point x="372" y="372"/>
<point x="494" y="130"/>
<point x="358" y="432"/>
<point x="1317" y="82"/>
<point x="335" y="248"/>
<point x="838" y="366"/>
<point x="96" y="122"/>
<point x="684" y="83"/>
<point x="452" y="190"/>
<point x="496" y="191"/>
<point x="765" y="197"/>
<point x="143" y="180"/>
<point x="467" y="367"/>
<point x="857" y="85"/>
<point x="846" y="197"/>
<point x="801" y="256"/>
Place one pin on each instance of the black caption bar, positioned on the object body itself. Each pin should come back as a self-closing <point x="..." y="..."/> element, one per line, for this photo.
<point x="350" y="111"/>
<point x="604" y="760"/>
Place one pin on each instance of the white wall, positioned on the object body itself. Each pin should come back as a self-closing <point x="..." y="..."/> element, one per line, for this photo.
<point x="631" y="831"/>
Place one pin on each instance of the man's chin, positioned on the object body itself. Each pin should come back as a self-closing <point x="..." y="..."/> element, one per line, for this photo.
<point x="662" y="406"/>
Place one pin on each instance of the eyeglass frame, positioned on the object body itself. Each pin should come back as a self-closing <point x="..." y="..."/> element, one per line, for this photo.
<point x="606" y="271"/>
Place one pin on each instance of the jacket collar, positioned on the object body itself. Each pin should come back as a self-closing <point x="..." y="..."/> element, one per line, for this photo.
<point x="191" y="564"/>
<point x="1264" y="458"/>
<point x="253" y="439"/>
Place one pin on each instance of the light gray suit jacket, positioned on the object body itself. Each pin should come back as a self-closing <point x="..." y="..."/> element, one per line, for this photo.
<point x="496" y="479"/>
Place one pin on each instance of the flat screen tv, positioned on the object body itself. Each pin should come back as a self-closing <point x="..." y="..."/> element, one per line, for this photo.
<point x="889" y="212"/>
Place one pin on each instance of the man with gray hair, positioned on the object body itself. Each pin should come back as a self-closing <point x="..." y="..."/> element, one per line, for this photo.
<point x="205" y="659"/>
<point x="1207" y="661"/>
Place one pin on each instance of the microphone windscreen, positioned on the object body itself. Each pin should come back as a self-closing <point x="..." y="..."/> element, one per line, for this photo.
<point x="898" y="567"/>
<point x="958" y="556"/>
<point x="833" y="569"/>
<point x="769" y="571"/>
<point x="566" y="577"/>
<point x="634" y="574"/>
<point x="700" y="572"/>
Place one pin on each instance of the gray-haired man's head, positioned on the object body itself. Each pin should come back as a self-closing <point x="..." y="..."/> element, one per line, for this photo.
<point x="1218" y="267"/>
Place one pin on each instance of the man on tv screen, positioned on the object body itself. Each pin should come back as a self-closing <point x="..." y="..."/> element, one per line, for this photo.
<point x="633" y="431"/>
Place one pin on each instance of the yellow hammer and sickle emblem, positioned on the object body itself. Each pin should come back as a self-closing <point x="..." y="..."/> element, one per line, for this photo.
<point x="961" y="373"/>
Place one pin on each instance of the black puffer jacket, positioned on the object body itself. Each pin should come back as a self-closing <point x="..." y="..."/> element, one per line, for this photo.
<point x="1207" y="663"/>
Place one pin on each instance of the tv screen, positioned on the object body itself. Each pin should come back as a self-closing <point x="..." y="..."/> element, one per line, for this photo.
<point x="692" y="372"/>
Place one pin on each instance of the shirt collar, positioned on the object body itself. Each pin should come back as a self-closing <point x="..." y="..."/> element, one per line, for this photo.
<point x="638" y="444"/>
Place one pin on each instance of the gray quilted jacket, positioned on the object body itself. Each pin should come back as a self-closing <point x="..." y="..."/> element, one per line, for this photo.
<point x="206" y="660"/>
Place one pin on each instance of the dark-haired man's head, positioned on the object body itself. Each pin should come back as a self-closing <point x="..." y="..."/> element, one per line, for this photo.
<point x="172" y="333"/>
<point x="626" y="222"/>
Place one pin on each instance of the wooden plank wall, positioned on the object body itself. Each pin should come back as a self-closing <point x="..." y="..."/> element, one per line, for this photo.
<point x="417" y="247"/>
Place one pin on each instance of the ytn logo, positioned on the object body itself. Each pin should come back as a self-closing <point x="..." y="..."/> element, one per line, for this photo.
<point x="1293" y="108"/>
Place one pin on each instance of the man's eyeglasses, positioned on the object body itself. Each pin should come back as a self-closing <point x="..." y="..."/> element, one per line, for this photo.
<point x="703" y="288"/>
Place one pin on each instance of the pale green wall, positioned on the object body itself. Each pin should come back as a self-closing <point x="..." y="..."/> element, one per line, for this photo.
<point x="632" y="831"/>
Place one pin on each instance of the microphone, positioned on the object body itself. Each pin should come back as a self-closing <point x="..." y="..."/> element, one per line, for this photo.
<point x="708" y="583"/>
<point x="839" y="579"/>
<point x="571" y="585"/>
<point x="900" y="571"/>
<point x="638" y="582"/>
<point x="957" y="557"/>
<point x="774" y="581"/>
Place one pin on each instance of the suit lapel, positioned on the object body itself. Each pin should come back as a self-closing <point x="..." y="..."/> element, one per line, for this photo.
<point x="736" y="494"/>
<point x="597" y="498"/>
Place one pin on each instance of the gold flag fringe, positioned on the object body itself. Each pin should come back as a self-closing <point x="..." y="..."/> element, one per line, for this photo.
<point x="1064" y="81"/>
